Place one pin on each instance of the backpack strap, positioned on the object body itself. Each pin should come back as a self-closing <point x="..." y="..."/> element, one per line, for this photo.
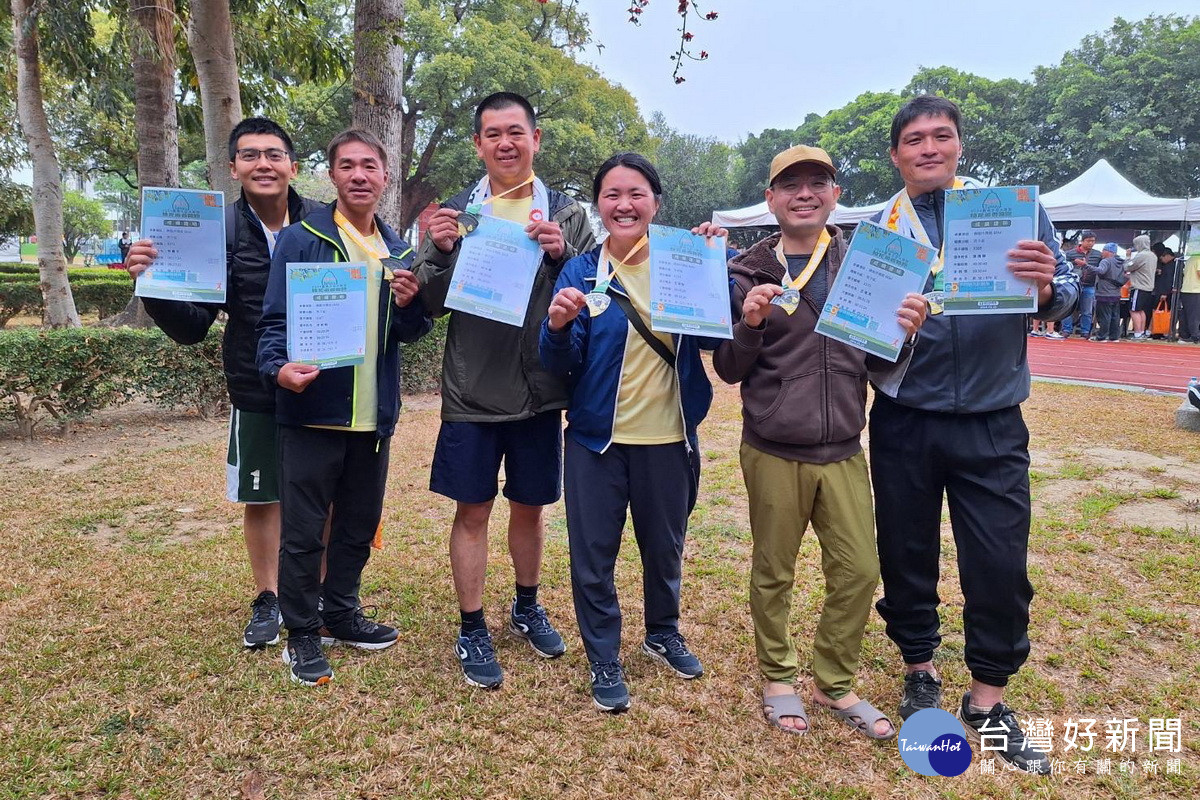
<point x="639" y="325"/>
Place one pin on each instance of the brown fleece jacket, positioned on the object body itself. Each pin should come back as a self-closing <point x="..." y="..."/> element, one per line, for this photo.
<point x="803" y="395"/>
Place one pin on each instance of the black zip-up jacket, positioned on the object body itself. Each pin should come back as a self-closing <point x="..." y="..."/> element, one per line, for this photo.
<point x="329" y="399"/>
<point x="248" y="262"/>
<point x="975" y="363"/>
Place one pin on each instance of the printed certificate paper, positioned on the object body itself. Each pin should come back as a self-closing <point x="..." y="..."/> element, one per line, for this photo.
<point x="981" y="226"/>
<point x="188" y="230"/>
<point x="327" y="313"/>
<point x="689" y="283"/>
<point x="879" y="268"/>
<point x="494" y="274"/>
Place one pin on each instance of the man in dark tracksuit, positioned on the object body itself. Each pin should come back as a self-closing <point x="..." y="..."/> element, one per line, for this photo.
<point x="262" y="160"/>
<point x="335" y="425"/>
<point x="953" y="424"/>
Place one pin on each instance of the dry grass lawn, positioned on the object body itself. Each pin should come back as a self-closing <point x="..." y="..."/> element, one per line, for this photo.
<point x="124" y="587"/>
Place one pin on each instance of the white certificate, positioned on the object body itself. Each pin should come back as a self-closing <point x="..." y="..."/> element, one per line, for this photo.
<point x="493" y="277"/>
<point x="689" y="283"/>
<point x="327" y="313"/>
<point x="878" y="270"/>
<point x="981" y="226"/>
<point x="187" y="227"/>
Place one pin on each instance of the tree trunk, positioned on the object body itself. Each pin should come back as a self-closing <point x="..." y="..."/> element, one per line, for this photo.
<point x="379" y="87"/>
<point x="210" y="36"/>
<point x="58" y="302"/>
<point x="152" y="41"/>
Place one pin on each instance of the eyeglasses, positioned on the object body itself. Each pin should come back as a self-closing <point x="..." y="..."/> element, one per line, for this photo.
<point x="251" y="154"/>
<point x="794" y="186"/>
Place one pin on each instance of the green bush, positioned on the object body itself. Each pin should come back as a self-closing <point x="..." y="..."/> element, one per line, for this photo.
<point x="103" y="297"/>
<point x="65" y="374"/>
<point x="421" y="370"/>
<point x="104" y="292"/>
<point x="19" y="298"/>
<point x="68" y="375"/>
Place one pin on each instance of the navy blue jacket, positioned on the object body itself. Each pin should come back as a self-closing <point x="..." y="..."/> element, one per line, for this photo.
<point x="329" y="399"/>
<point x="972" y="364"/>
<point x="591" y="351"/>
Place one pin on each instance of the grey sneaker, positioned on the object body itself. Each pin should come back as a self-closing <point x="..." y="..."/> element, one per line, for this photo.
<point x="265" y="620"/>
<point x="477" y="656"/>
<point x="534" y="626"/>
<point x="670" y="649"/>
<point x="609" y="692"/>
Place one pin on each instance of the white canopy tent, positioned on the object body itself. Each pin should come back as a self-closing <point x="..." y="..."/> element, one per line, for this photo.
<point x="1103" y="195"/>
<point x="760" y="216"/>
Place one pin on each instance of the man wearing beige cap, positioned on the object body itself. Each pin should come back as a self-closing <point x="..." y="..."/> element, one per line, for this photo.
<point x="804" y="399"/>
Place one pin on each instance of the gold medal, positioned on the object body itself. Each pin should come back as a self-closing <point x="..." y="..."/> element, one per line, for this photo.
<point x="935" y="300"/>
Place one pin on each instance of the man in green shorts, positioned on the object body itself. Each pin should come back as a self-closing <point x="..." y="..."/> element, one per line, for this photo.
<point x="262" y="160"/>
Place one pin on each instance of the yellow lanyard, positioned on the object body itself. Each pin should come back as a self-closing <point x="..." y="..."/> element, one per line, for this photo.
<point x="606" y="261"/>
<point x="903" y="205"/>
<point x="814" y="261"/>
<point x="506" y="192"/>
<point x="356" y="237"/>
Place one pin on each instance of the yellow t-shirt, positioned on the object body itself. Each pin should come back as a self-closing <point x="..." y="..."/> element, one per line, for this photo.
<point x="1191" y="275"/>
<point x="513" y="210"/>
<point x="364" y="417"/>
<point x="648" y="396"/>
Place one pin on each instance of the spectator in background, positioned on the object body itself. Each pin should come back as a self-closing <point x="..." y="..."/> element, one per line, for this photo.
<point x="1142" y="268"/>
<point x="1189" y="295"/>
<point x="1110" y="277"/>
<point x="1164" y="283"/>
<point x="1079" y="257"/>
<point x="123" y="244"/>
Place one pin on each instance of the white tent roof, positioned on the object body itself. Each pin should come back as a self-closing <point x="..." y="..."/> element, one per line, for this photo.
<point x="1101" y="194"/>
<point x="760" y="216"/>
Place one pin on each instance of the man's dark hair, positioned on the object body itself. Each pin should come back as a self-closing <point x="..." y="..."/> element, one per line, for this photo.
<point x="355" y="135"/>
<point x="634" y="161"/>
<point x="499" y="100"/>
<point x="251" y="125"/>
<point x="925" y="105"/>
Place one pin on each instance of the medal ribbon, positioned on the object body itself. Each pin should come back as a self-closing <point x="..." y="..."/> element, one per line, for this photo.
<point x="902" y="205"/>
<point x="349" y="230"/>
<point x="606" y="260"/>
<point x="814" y="261"/>
<point x="507" y="192"/>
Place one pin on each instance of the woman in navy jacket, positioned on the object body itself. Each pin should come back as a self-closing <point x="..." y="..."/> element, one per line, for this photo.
<point x="635" y="400"/>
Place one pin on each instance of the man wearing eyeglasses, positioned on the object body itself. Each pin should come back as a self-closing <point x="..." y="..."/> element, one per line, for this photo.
<point x="262" y="160"/>
<point x="804" y="408"/>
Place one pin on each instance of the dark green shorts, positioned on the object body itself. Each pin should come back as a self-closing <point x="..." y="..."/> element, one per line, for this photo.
<point x="252" y="465"/>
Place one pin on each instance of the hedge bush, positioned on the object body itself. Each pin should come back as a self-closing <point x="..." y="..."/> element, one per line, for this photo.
<point x="68" y="375"/>
<point x="99" y="291"/>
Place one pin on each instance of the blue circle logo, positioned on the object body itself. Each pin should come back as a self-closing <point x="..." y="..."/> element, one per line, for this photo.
<point x="932" y="742"/>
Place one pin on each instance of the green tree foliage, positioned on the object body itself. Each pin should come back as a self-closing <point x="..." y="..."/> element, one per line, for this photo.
<point x="16" y="209"/>
<point x="696" y="172"/>
<point x="458" y="53"/>
<point x="1131" y="95"/>
<point x="83" y="218"/>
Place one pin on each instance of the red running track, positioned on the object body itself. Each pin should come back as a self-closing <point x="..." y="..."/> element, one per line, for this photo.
<point x="1165" y="366"/>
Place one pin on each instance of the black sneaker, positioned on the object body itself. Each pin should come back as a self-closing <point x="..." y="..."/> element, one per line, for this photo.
<point x="533" y="625"/>
<point x="356" y="630"/>
<point x="264" y="621"/>
<point x="921" y="691"/>
<point x="609" y="691"/>
<point x="478" y="659"/>
<point x="998" y="729"/>
<point x="306" y="661"/>
<point x="670" y="649"/>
